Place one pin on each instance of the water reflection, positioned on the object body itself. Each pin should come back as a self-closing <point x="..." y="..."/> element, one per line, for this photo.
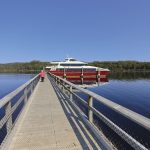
<point x="90" y="82"/>
<point x="130" y="90"/>
<point x="9" y="82"/>
<point x="113" y="75"/>
<point x="129" y="75"/>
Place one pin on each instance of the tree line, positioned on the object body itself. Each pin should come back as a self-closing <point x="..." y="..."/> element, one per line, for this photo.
<point x="123" y="66"/>
<point x="114" y="66"/>
<point x="25" y="67"/>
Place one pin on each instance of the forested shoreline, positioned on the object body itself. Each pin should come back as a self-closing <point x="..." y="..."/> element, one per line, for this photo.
<point x="23" y="67"/>
<point x="123" y="66"/>
<point x="114" y="66"/>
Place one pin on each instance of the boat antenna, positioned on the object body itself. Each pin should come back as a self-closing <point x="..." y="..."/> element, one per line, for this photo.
<point x="67" y="56"/>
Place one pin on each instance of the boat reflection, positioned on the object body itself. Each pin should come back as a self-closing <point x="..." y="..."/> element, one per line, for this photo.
<point x="89" y="82"/>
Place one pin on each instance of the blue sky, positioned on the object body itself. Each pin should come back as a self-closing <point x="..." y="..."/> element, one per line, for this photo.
<point x="85" y="29"/>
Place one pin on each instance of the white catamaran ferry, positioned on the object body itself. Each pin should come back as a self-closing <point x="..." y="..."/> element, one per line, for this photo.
<point x="71" y="68"/>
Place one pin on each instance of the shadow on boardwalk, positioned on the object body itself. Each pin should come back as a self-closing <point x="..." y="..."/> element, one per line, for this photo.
<point x="84" y="137"/>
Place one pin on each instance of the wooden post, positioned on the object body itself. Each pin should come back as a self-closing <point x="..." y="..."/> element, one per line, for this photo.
<point x="7" y="113"/>
<point x="82" y="81"/>
<point x="98" y="76"/>
<point x="81" y="76"/>
<point x="90" y="113"/>
<point x="64" y="73"/>
<point x="82" y="72"/>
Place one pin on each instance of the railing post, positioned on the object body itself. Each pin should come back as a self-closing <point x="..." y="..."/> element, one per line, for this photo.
<point x="25" y="95"/>
<point x="90" y="113"/>
<point x="8" y="113"/>
<point x="57" y="81"/>
<point x="35" y="82"/>
<point x="31" y="87"/>
<point x="64" y="76"/>
<point x="71" y="98"/>
<point x="62" y="86"/>
<point x="98" y="75"/>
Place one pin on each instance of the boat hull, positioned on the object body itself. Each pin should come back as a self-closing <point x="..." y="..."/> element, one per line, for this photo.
<point x="80" y="74"/>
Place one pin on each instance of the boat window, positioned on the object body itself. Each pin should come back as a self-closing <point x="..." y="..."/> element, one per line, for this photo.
<point x="73" y="70"/>
<point x="71" y="64"/>
<point x="72" y="60"/>
<point x="89" y="69"/>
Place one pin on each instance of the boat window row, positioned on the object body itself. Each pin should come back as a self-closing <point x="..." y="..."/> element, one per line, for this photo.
<point x="71" y="64"/>
<point x="77" y="69"/>
<point x="71" y="59"/>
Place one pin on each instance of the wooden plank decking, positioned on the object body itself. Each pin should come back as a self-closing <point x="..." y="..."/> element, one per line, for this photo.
<point x="49" y="123"/>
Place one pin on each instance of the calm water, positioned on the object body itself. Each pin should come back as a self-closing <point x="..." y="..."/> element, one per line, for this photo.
<point x="9" y="82"/>
<point x="131" y="90"/>
<point x="133" y="94"/>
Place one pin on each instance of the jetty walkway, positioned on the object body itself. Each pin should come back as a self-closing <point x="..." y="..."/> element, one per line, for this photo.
<point x="50" y="115"/>
<point x="48" y="123"/>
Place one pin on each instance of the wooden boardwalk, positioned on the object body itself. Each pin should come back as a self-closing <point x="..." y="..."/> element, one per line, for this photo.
<point x="49" y="123"/>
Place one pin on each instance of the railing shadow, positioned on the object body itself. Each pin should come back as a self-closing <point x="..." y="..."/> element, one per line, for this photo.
<point x="65" y="91"/>
<point x="74" y="120"/>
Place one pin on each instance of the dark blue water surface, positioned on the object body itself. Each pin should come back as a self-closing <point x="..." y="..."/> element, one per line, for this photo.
<point x="9" y="82"/>
<point x="132" y="94"/>
<point x="131" y="90"/>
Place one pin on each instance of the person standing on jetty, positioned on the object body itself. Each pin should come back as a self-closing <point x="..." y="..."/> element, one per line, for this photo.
<point x="42" y="75"/>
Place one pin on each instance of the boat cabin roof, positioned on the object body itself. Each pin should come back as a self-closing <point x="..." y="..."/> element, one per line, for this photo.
<point x="68" y="61"/>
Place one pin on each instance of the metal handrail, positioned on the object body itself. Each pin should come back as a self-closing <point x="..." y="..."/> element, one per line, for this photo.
<point x="133" y="116"/>
<point x="139" y="119"/>
<point x="8" y="97"/>
<point x="6" y="103"/>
